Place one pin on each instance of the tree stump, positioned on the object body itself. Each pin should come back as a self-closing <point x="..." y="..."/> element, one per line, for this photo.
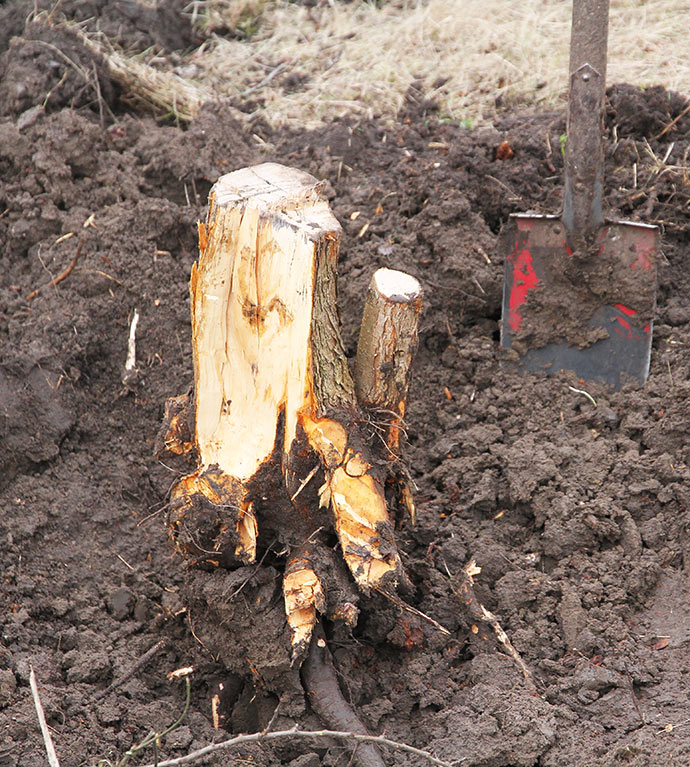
<point x="274" y="414"/>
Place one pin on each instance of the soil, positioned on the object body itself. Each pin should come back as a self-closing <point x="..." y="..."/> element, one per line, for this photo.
<point x="574" y="505"/>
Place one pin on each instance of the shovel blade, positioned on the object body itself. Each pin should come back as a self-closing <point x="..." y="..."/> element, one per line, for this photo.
<point x="593" y="316"/>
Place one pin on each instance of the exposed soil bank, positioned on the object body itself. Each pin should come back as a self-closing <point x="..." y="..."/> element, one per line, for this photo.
<point x="577" y="513"/>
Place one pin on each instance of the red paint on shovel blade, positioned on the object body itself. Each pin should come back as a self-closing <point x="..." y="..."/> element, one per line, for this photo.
<point x="524" y="280"/>
<point x="624" y="324"/>
<point x="625" y="309"/>
<point x="625" y="327"/>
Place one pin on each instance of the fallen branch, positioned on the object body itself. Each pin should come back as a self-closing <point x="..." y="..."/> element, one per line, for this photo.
<point x="408" y="608"/>
<point x="256" y="737"/>
<point x="161" y="91"/>
<point x="672" y="123"/>
<point x="45" y="732"/>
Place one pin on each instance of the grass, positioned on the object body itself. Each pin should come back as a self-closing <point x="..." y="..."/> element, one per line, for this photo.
<point x="306" y="65"/>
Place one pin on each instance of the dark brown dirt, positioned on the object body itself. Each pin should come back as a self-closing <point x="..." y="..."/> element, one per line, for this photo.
<point x="577" y="513"/>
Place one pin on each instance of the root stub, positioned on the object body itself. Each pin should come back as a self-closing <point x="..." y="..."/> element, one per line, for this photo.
<point x="272" y="386"/>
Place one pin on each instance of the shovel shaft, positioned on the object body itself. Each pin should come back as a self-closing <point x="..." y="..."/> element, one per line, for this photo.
<point x="584" y="157"/>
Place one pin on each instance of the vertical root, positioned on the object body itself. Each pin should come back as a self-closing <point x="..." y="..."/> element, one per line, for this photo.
<point x="327" y="700"/>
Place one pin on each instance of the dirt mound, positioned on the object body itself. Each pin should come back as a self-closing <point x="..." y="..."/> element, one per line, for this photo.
<point x="574" y="506"/>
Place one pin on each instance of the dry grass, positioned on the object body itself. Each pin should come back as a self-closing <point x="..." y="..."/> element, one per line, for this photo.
<point x="476" y="57"/>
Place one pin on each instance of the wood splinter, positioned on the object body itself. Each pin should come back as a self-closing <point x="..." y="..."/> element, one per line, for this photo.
<point x="272" y="389"/>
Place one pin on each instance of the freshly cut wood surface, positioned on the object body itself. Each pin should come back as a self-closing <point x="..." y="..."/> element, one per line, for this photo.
<point x="252" y="305"/>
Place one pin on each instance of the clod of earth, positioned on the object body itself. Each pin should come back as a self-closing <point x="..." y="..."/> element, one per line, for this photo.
<point x="276" y="413"/>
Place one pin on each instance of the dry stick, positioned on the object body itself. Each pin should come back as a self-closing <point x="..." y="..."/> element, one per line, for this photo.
<point x="45" y="732"/>
<point x="266" y="80"/>
<point x="160" y="90"/>
<point x="327" y="700"/>
<point x="61" y="276"/>
<point x="404" y="606"/>
<point x="672" y="123"/>
<point x="130" y="372"/>
<point x="99" y="95"/>
<point x="476" y="609"/>
<point x="256" y="737"/>
<point x="145" y="658"/>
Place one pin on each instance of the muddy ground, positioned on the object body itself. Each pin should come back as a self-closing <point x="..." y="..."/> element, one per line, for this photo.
<point x="576" y="512"/>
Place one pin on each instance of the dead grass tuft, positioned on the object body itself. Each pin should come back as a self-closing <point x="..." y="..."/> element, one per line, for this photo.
<point x="306" y="65"/>
<point x="360" y="58"/>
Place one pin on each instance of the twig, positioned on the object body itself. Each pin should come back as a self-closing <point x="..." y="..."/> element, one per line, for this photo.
<point x="671" y="727"/>
<point x="584" y="393"/>
<point x="280" y="68"/>
<point x="274" y="715"/>
<point x="130" y="373"/>
<point x="404" y="606"/>
<point x="476" y="609"/>
<point x="255" y="737"/>
<point x="145" y="658"/>
<point x="305" y="481"/>
<point x="77" y="67"/>
<point x="103" y="274"/>
<point x="62" y="276"/>
<point x="672" y="123"/>
<point x="99" y="95"/>
<point x="246" y="580"/>
<point x="45" y="732"/>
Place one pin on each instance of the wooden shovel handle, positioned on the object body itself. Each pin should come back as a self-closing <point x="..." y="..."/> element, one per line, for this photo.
<point x="584" y="157"/>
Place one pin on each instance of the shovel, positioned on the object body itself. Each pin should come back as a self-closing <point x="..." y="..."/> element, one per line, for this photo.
<point x="580" y="292"/>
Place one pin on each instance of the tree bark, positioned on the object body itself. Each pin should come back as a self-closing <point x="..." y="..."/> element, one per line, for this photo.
<point x="387" y="343"/>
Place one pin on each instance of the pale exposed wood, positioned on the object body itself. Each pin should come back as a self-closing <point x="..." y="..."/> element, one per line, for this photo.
<point x="252" y="308"/>
<point x="358" y="502"/>
<point x="304" y="596"/>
